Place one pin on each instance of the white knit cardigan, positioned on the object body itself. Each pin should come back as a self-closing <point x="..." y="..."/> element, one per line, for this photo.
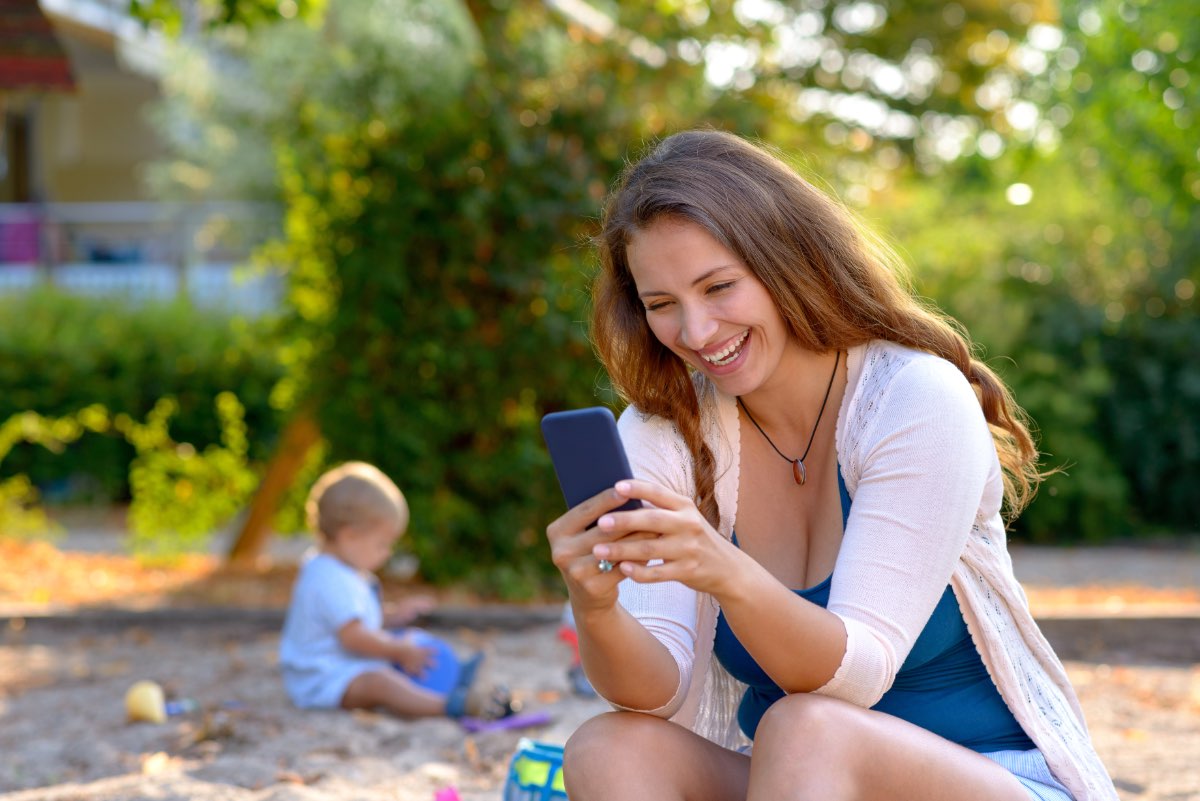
<point x="919" y="462"/>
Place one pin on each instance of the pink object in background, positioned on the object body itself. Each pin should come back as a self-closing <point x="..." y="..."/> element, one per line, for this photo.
<point x="19" y="240"/>
<point x="447" y="794"/>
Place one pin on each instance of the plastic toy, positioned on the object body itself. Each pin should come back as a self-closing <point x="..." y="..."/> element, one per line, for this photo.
<point x="145" y="701"/>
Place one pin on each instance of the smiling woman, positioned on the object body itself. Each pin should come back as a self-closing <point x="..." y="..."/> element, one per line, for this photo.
<point x="847" y="625"/>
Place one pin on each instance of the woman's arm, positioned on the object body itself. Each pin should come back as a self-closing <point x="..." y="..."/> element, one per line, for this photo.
<point x="928" y="469"/>
<point x="925" y="469"/>
<point x="926" y="466"/>
<point x="624" y="660"/>
<point x="636" y="642"/>
<point x="630" y="665"/>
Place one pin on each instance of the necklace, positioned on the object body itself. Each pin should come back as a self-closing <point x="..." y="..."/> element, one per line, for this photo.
<point x="798" y="471"/>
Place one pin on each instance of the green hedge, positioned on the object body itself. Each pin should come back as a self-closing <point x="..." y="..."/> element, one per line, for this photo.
<point x="59" y="354"/>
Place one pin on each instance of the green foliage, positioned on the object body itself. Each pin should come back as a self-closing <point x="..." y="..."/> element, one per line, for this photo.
<point x="180" y="496"/>
<point x="21" y="516"/>
<point x="59" y="354"/>
<point x="180" y="17"/>
<point x="439" y="172"/>
<point x="1088" y="291"/>
<point x="290" y="518"/>
<point x="418" y="252"/>
<point x="440" y="165"/>
<point x="1137" y="123"/>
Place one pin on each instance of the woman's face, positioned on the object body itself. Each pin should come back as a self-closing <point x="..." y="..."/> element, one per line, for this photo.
<point x="707" y="306"/>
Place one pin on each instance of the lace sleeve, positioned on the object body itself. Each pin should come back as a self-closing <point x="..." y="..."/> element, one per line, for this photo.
<point x="926" y="469"/>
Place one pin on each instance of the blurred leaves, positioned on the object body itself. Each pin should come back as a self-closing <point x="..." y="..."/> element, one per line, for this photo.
<point x="1087" y="289"/>
<point x="61" y="354"/>
<point x="441" y="164"/>
<point x="180" y="495"/>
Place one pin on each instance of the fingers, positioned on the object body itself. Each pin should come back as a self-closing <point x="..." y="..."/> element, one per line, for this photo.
<point x="570" y="536"/>
<point x="573" y="543"/>
<point x="655" y="494"/>
<point x="682" y="545"/>
<point x="629" y="550"/>
<point x="615" y="525"/>
<point x="579" y="517"/>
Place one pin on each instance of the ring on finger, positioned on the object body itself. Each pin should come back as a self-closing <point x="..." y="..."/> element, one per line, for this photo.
<point x="604" y="565"/>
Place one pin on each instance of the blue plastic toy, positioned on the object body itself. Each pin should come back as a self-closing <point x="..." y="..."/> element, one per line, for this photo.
<point x="535" y="773"/>
<point x="442" y="675"/>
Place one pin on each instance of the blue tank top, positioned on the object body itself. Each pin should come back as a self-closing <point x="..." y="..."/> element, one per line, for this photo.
<point x="942" y="685"/>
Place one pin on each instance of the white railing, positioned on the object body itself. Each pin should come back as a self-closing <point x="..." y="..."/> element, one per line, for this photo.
<point x="141" y="251"/>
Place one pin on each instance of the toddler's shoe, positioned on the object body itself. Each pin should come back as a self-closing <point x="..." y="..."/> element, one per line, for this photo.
<point x="476" y="696"/>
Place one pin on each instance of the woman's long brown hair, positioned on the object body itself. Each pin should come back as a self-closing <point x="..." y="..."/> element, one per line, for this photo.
<point x="836" y="284"/>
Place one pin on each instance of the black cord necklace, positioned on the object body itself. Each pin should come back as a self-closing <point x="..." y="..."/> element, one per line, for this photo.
<point x="798" y="471"/>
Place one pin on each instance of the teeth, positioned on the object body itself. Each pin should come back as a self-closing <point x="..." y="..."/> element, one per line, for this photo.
<point x="727" y="354"/>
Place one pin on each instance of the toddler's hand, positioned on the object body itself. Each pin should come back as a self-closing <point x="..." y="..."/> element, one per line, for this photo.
<point x="397" y="614"/>
<point x="413" y="659"/>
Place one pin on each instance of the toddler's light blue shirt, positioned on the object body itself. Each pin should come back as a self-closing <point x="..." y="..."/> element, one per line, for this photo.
<point x="327" y="595"/>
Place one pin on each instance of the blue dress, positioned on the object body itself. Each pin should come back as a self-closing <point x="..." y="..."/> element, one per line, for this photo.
<point x="942" y="686"/>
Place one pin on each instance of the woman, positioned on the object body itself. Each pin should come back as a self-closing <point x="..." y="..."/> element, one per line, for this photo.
<point x="818" y="589"/>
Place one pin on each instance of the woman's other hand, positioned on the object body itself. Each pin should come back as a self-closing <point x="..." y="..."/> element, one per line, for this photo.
<point x="684" y="546"/>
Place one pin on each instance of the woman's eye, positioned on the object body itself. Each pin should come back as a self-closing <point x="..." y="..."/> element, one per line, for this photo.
<point x="720" y="287"/>
<point x="662" y="304"/>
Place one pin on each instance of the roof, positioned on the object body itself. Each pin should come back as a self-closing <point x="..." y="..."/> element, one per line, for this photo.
<point x="31" y="56"/>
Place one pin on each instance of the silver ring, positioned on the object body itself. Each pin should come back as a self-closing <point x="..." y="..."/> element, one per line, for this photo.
<point x="605" y="566"/>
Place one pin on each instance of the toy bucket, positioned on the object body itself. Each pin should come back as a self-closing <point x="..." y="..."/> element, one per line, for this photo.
<point x="535" y="773"/>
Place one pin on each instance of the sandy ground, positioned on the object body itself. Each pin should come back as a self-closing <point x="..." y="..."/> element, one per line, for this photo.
<point x="1125" y="621"/>
<point x="64" y="734"/>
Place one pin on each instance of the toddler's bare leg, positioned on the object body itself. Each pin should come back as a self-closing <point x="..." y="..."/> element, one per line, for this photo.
<point x="395" y="692"/>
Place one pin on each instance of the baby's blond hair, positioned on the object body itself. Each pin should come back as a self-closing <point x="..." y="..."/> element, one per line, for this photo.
<point x="352" y="494"/>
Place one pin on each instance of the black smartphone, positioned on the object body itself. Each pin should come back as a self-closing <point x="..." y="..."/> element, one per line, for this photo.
<point x="587" y="453"/>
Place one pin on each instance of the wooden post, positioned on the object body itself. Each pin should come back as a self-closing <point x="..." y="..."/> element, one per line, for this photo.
<point x="299" y="437"/>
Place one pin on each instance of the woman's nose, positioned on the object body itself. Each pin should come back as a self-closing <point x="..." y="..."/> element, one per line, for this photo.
<point x="697" y="329"/>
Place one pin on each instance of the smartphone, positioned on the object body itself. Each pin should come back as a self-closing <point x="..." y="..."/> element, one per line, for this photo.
<point x="587" y="453"/>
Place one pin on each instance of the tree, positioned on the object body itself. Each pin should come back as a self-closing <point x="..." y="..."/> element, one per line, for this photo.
<point x="441" y="165"/>
<point x="1074" y="258"/>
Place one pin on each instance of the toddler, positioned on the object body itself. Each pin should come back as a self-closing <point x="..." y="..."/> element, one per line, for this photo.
<point x="335" y="651"/>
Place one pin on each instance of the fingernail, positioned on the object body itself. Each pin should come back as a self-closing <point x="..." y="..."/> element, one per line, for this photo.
<point x="622" y="487"/>
<point x="605" y="522"/>
<point x="600" y="552"/>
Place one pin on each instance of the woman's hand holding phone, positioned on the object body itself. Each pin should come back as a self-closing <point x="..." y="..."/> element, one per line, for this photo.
<point x="589" y="459"/>
<point x="573" y="539"/>
<point x="610" y="522"/>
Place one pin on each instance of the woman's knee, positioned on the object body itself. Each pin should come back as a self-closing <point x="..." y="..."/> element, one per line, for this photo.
<point x="814" y="725"/>
<point x="600" y="739"/>
<point x="633" y="756"/>
<point x="620" y="755"/>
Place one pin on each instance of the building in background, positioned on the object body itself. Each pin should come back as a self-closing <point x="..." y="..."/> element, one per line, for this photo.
<point x="77" y="81"/>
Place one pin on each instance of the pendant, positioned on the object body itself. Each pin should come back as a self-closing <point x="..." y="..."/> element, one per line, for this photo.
<point x="798" y="472"/>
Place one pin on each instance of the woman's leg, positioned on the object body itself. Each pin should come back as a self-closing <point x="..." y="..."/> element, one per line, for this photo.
<point x="635" y="757"/>
<point x="814" y="747"/>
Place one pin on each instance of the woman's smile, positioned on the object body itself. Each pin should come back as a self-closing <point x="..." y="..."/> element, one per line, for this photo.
<point x="727" y="354"/>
